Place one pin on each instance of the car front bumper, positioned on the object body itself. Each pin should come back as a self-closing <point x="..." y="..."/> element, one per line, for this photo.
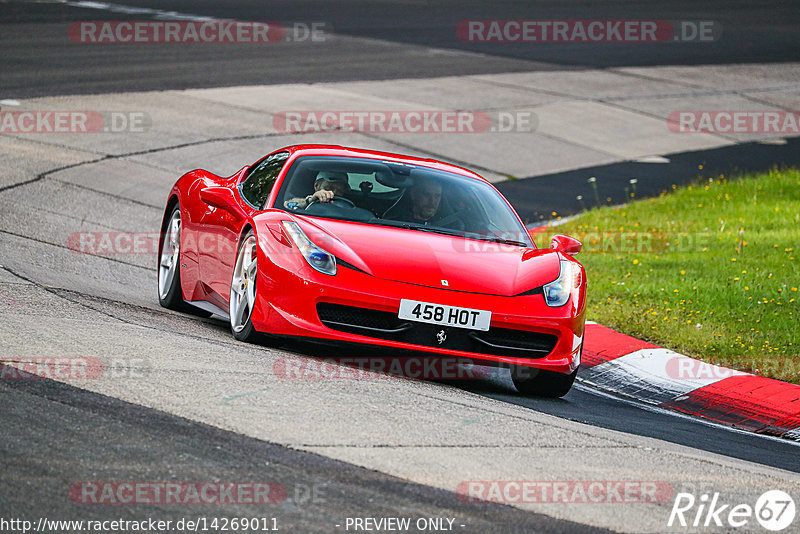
<point x="289" y="299"/>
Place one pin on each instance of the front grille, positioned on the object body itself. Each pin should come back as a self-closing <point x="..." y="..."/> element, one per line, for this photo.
<point x="357" y="320"/>
<point x="386" y="325"/>
<point x="517" y="340"/>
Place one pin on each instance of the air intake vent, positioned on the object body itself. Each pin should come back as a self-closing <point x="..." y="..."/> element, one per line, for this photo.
<point x="386" y="325"/>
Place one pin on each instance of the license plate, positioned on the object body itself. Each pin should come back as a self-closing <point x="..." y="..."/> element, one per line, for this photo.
<point x="425" y="312"/>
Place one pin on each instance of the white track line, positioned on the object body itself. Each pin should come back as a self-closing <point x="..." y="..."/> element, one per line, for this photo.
<point x="157" y="14"/>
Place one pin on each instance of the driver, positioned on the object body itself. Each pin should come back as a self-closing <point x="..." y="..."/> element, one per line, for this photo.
<point x="327" y="185"/>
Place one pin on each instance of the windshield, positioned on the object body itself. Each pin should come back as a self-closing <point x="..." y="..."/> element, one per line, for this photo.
<point x="407" y="196"/>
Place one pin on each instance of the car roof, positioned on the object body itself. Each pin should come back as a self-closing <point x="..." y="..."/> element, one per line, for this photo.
<point x="337" y="150"/>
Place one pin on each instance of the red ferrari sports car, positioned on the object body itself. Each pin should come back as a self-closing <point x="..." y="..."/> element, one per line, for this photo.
<point x="349" y="245"/>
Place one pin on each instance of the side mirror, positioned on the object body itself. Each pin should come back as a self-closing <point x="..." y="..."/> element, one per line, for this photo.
<point x="222" y="198"/>
<point x="566" y="244"/>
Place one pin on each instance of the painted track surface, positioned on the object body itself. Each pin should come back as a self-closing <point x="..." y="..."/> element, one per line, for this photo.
<point x="185" y="387"/>
<point x="79" y="433"/>
<point x="382" y="40"/>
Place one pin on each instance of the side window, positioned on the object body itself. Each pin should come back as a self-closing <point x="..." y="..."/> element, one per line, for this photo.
<point x="258" y="184"/>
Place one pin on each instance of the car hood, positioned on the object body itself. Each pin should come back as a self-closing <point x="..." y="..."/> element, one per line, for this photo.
<point x="434" y="260"/>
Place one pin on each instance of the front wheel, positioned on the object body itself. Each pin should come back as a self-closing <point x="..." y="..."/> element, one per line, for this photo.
<point x="243" y="290"/>
<point x="169" y="273"/>
<point x="243" y="294"/>
<point x="541" y="383"/>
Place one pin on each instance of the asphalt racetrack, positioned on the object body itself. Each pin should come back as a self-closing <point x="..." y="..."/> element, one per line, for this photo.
<point x="187" y="403"/>
<point x="375" y="41"/>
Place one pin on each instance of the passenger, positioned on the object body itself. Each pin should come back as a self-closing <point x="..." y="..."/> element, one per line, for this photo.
<point x="425" y="198"/>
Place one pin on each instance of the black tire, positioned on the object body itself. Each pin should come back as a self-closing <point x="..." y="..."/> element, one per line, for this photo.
<point x="248" y="334"/>
<point x="172" y="297"/>
<point x="540" y="383"/>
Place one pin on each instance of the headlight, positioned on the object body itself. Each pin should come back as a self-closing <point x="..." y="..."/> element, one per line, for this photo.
<point x="319" y="259"/>
<point x="557" y="292"/>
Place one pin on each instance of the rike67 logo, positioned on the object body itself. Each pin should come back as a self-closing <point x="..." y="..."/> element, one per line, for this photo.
<point x="774" y="510"/>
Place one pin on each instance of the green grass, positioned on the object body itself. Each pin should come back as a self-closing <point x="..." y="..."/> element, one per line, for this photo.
<point x="725" y="290"/>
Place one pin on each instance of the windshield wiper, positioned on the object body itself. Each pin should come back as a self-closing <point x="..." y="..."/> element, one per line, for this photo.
<point x="503" y="241"/>
<point x="439" y="230"/>
<point x="393" y="224"/>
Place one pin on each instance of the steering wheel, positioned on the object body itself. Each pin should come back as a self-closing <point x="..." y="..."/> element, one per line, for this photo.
<point x="341" y="200"/>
